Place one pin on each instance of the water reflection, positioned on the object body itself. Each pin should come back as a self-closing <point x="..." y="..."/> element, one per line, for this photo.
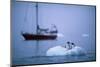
<point x="53" y="59"/>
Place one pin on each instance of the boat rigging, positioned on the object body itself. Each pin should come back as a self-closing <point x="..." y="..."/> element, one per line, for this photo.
<point x="41" y="34"/>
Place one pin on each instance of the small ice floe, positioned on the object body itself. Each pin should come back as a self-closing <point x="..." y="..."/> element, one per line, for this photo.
<point x="60" y="50"/>
<point x="85" y="35"/>
<point x="60" y="35"/>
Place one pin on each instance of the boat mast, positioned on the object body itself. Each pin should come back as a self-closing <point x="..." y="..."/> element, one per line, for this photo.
<point x="37" y="26"/>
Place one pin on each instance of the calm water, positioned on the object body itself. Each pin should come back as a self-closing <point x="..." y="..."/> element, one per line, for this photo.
<point x="76" y="24"/>
<point x="53" y="59"/>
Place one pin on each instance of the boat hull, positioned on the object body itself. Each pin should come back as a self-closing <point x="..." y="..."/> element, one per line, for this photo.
<point x="39" y="37"/>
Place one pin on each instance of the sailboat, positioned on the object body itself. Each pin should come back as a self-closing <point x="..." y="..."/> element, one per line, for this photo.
<point x="38" y="36"/>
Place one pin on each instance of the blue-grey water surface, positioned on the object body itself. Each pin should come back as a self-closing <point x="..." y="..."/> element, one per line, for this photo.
<point x="75" y="22"/>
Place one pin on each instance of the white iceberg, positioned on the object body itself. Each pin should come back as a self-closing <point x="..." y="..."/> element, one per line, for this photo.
<point x="59" y="50"/>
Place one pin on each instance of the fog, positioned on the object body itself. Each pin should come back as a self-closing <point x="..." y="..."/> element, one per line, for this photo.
<point x="76" y="23"/>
